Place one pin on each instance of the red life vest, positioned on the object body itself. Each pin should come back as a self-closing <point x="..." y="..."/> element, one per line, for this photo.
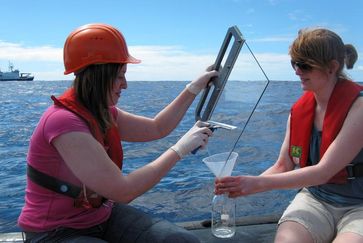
<point x="110" y="141"/>
<point x="302" y="119"/>
<point x="83" y="197"/>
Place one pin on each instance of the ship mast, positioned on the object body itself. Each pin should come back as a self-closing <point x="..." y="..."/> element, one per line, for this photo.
<point x="11" y="66"/>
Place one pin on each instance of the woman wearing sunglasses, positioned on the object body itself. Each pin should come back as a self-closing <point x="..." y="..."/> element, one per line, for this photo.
<point x="322" y="151"/>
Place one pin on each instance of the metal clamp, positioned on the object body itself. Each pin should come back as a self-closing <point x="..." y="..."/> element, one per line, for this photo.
<point x="219" y="82"/>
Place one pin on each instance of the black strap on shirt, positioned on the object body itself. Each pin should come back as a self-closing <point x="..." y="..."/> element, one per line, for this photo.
<point x="52" y="183"/>
<point x="354" y="170"/>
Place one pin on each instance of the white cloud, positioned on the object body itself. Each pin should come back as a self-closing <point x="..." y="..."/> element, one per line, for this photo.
<point x="167" y="63"/>
<point x="15" y="51"/>
<point x="276" y="67"/>
<point x="158" y="63"/>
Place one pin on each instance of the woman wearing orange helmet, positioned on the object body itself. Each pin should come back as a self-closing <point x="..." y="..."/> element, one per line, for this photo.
<point x="75" y="191"/>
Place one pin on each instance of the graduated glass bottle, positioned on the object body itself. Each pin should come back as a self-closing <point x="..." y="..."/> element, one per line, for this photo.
<point x="223" y="207"/>
<point x="223" y="216"/>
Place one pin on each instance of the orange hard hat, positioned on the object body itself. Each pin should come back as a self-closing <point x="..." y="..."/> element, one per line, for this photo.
<point x="95" y="44"/>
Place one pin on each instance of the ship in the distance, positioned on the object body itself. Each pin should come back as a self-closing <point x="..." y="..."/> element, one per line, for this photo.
<point x="15" y="75"/>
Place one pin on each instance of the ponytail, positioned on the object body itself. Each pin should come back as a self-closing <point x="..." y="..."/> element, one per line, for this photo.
<point x="351" y="56"/>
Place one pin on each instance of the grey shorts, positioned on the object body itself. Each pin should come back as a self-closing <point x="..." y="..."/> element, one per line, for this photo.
<point x="321" y="219"/>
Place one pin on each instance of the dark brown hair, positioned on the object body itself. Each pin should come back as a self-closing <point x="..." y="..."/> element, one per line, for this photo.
<point x="318" y="47"/>
<point x="93" y="87"/>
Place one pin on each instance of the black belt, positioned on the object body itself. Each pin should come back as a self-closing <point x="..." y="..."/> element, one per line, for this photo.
<point x="354" y="170"/>
<point x="52" y="183"/>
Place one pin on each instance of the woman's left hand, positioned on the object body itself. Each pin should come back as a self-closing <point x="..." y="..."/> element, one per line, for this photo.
<point x="201" y="82"/>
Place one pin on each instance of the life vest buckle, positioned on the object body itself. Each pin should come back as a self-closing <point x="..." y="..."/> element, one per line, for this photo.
<point x="350" y="171"/>
<point x="354" y="170"/>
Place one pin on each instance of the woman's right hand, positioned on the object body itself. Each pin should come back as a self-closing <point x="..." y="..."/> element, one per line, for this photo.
<point x="196" y="137"/>
<point x="201" y="82"/>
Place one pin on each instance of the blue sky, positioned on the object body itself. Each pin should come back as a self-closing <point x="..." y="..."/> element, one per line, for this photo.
<point x="176" y="39"/>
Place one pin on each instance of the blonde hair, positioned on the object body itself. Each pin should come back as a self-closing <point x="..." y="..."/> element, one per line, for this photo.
<point x="318" y="47"/>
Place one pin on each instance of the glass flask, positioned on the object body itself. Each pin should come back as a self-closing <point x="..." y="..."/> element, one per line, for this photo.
<point x="223" y="216"/>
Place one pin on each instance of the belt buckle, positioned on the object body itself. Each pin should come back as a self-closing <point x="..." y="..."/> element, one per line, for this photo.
<point x="350" y="171"/>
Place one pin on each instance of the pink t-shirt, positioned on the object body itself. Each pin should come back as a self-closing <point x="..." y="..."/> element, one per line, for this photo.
<point x="45" y="210"/>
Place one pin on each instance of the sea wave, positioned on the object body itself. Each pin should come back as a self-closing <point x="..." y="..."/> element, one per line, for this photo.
<point x="186" y="192"/>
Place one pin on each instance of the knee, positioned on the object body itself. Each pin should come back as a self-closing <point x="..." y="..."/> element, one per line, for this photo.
<point x="292" y="232"/>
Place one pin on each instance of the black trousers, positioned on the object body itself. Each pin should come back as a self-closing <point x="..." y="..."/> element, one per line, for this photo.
<point x="126" y="224"/>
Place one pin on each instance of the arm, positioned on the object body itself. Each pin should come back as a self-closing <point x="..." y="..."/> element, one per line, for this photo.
<point x="341" y="152"/>
<point x="283" y="162"/>
<point x="89" y="162"/>
<point x="139" y="129"/>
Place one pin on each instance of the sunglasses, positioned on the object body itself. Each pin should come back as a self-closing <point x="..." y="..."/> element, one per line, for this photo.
<point x="301" y="65"/>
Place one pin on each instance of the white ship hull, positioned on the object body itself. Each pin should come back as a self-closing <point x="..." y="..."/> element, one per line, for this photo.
<point x="15" y="75"/>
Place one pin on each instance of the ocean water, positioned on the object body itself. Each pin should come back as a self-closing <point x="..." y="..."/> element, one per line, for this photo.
<point x="185" y="194"/>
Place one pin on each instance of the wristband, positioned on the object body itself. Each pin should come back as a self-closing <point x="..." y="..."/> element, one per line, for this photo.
<point x="176" y="150"/>
<point x="192" y="89"/>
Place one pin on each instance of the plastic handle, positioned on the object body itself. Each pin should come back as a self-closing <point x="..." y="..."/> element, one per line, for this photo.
<point x="196" y="150"/>
<point x="219" y="82"/>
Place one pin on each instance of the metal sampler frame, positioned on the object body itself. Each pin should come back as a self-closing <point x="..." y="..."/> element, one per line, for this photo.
<point x="219" y="82"/>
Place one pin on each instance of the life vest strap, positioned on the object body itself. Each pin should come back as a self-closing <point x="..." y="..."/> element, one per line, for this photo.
<point x="354" y="170"/>
<point x="52" y="183"/>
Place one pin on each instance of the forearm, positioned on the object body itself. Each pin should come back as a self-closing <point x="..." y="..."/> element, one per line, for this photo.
<point x="141" y="180"/>
<point x="147" y="176"/>
<point x="274" y="169"/>
<point x="282" y="164"/>
<point x="308" y="176"/>
<point x="171" y="115"/>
